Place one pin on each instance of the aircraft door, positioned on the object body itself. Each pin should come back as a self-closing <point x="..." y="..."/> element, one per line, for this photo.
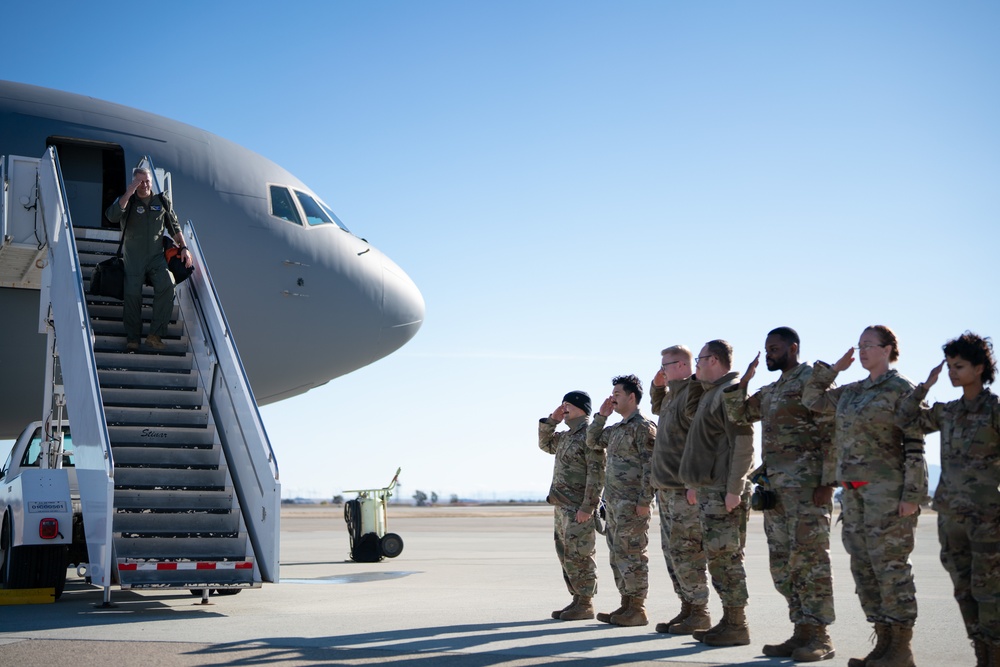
<point x="94" y="175"/>
<point x="21" y="203"/>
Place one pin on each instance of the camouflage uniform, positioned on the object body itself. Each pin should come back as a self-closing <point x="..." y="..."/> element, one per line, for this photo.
<point x="880" y="465"/>
<point x="717" y="457"/>
<point x="577" y="480"/>
<point x="680" y="525"/>
<point x="967" y="500"/>
<point x="629" y="446"/>
<point x="798" y="456"/>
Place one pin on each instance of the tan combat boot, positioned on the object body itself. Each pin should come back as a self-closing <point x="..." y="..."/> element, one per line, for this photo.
<point x="799" y="638"/>
<point x="697" y="621"/>
<point x="685" y="611"/>
<point x="582" y="609"/>
<point x="899" y="652"/>
<point x="820" y="646"/>
<point x="558" y="612"/>
<point x="633" y="614"/>
<point x="699" y="634"/>
<point x="881" y="643"/>
<point x="734" y="630"/>
<point x="606" y="618"/>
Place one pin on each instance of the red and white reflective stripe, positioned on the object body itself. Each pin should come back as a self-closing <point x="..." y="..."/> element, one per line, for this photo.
<point x="187" y="565"/>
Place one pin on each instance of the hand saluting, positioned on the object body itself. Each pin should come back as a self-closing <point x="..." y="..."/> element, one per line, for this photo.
<point x="933" y="377"/>
<point x="845" y="361"/>
<point x="751" y="371"/>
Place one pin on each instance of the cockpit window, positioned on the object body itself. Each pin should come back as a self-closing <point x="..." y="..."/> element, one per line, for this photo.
<point x="317" y="213"/>
<point x="283" y="206"/>
<point x="335" y="218"/>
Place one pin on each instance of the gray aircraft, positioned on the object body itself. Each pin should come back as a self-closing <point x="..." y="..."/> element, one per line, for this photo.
<point x="307" y="299"/>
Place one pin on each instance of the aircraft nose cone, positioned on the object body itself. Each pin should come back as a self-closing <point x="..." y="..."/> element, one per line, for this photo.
<point x="402" y="308"/>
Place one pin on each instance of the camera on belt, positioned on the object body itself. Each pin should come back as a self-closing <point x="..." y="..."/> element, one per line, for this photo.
<point x="763" y="497"/>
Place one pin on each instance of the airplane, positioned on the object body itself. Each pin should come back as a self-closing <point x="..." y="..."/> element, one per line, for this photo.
<point x="307" y="299"/>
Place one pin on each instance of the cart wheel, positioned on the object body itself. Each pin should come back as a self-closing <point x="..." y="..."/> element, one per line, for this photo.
<point x="391" y="545"/>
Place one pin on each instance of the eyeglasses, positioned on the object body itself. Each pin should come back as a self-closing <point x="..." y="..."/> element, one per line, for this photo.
<point x="697" y="360"/>
<point x="862" y="348"/>
<point x="669" y="363"/>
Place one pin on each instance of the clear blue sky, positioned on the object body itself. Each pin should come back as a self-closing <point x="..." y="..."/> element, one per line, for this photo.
<point x="576" y="185"/>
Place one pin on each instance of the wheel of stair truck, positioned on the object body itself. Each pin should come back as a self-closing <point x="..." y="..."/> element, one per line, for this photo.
<point x="391" y="545"/>
<point x="216" y="591"/>
<point x="31" y="566"/>
<point x="15" y="569"/>
<point x="50" y="567"/>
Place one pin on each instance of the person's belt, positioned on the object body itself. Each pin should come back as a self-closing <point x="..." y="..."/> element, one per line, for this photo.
<point x="854" y="485"/>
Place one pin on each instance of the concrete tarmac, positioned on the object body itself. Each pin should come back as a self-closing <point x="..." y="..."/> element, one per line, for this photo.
<point x="474" y="587"/>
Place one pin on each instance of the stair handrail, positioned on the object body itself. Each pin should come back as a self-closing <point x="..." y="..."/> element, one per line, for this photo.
<point x="255" y="476"/>
<point x="62" y="287"/>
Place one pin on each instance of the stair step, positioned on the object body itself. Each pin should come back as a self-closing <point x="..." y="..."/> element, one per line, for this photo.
<point x="115" y="329"/>
<point x="138" y="397"/>
<point x="167" y="500"/>
<point x="118" y="379"/>
<point x="156" y="417"/>
<point x="196" y="437"/>
<point x="112" y="343"/>
<point x="176" y="525"/>
<point x="161" y="456"/>
<point x="170" y="478"/>
<point x="143" y="360"/>
<point x="105" y="308"/>
<point x="191" y="548"/>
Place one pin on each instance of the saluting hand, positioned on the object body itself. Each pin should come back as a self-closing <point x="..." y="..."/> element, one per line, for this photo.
<point x="751" y="371"/>
<point x="558" y="414"/>
<point x="845" y="361"/>
<point x="659" y="380"/>
<point x="933" y="377"/>
<point x="607" y="407"/>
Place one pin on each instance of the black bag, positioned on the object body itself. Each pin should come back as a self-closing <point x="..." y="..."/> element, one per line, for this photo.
<point x="108" y="278"/>
<point x="172" y="255"/>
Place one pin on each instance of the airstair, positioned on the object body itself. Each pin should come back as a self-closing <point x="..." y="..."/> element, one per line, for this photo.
<point x="178" y="483"/>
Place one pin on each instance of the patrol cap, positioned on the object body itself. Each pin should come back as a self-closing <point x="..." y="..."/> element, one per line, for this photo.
<point x="580" y="399"/>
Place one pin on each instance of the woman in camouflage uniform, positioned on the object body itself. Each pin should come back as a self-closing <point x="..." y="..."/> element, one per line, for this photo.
<point x="882" y="469"/>
<point x="967" y="498"/>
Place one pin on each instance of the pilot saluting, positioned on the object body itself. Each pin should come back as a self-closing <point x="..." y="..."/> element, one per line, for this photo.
<point x="143" y="219"/>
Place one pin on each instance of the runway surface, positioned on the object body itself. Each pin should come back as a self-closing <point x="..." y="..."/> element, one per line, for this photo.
<point x="474" y="587"/>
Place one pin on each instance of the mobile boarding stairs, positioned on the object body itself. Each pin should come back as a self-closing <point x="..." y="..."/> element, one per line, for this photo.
<point x="178" y="483"/>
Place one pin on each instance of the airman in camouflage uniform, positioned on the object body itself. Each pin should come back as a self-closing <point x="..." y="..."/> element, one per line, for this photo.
<point x="577" y="480"/>
<point x="967" y="498"/>
<point x="627" y="495"/>
<point x="675" y="394"/>
<point x="885" y="478"/>
<point x="799" y="462"/>
<point x="717" y="456"/>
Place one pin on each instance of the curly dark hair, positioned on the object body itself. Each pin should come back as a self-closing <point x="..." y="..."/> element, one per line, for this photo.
<point x="976" y="350"/>
<point x="886" y="335"/>
<point x="631" y="384"/>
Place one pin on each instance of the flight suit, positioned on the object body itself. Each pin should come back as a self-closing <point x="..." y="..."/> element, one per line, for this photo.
<point x="143" y="224"/>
